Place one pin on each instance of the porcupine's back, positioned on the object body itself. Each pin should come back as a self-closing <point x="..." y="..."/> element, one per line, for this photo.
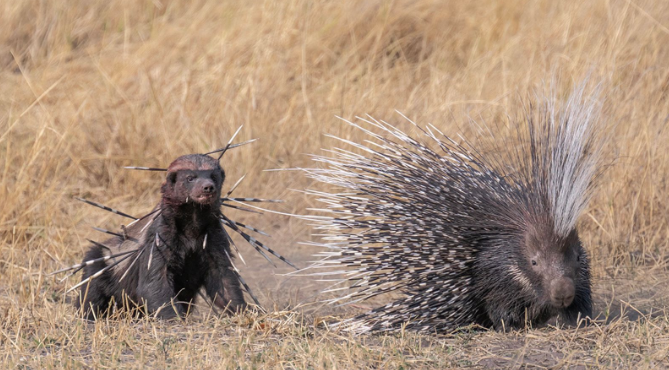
<point x="453" y="229"/>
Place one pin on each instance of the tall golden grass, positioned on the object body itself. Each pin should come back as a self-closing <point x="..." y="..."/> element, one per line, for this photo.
<point x="87" y="87"/>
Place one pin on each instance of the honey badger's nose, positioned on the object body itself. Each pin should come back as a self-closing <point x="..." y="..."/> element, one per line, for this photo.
<point x="562" y="292"/>
<point x="208" y="187"/>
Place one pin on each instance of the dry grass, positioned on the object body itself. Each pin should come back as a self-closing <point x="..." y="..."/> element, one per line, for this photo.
<point x="87" y="87"/>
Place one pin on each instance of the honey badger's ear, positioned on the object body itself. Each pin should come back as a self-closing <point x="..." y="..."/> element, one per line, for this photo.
<point x="170" y="179"/>
<point x="222" y="175"/>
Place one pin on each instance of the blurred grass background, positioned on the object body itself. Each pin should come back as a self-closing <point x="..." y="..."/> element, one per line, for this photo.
<point x="87" y="87"/>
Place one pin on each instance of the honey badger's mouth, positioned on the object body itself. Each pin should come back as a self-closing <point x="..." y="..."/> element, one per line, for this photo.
<point x="205" y="198"/>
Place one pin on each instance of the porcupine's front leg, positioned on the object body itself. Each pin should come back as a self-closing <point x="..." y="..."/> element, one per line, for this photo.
<point x="503" y="318"/>
<point x="221" y="282"/>
<point x="579" y="309"/>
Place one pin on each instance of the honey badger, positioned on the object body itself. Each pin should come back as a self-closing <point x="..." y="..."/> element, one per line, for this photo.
<point x="182" y="248"/>
<point x="160" y="261"/>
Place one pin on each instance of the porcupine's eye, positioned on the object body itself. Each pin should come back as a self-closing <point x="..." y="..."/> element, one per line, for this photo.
<point x="534" y="262"/>
<point x="190" y="178"/>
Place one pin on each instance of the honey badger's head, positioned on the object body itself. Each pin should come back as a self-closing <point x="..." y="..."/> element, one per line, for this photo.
<point x="193" y="178"/>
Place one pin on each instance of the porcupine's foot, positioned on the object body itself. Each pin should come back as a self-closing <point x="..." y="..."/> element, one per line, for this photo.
<point x="578" y="314"/>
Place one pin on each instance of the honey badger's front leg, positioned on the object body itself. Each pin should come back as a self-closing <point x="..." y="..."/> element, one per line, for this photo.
<point x="157" y="292"/>
<point x="221" y="282"/>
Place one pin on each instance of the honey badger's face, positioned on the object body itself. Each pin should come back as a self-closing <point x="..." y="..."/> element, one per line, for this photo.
<point x="194" y="178"/>
<point x="199" y="186"/>
<point x="554" y="264"/>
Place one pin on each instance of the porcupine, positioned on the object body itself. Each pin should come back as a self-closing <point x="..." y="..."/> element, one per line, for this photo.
<point x="466" y="236"/>
<point x="162" y="260"/>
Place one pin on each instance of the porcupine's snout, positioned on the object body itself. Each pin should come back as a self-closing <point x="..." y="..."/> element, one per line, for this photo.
<point x="562" y="292"/>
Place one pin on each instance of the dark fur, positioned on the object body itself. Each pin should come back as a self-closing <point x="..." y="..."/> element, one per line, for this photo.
<point x="510" y="302"/>
<point x="180" y="266"/>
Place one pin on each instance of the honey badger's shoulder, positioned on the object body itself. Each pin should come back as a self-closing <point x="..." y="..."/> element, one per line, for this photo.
<point x="105" y="265"/>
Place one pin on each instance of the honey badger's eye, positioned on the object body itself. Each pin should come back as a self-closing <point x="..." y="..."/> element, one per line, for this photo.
<point x="190" y="178"/>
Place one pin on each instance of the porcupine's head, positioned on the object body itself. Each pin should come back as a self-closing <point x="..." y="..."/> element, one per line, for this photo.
<point x="558" y="170"/>
<point x="193" y="178"/>
<point x="553" y="267"/>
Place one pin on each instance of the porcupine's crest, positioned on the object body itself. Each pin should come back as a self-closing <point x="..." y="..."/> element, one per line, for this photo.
<point x="411" y="219"/>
